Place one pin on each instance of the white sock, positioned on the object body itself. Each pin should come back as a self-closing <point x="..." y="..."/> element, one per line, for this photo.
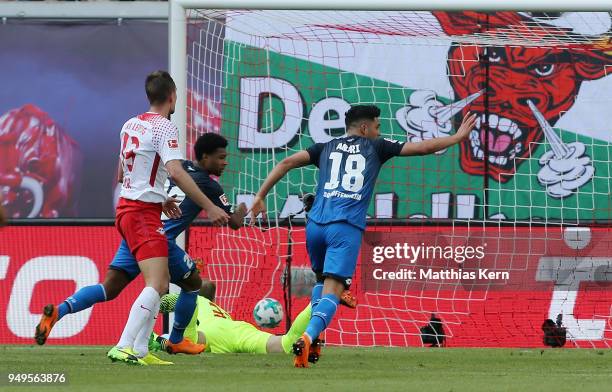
<point x="141" y="344"/>
<point x="142" y="308"/>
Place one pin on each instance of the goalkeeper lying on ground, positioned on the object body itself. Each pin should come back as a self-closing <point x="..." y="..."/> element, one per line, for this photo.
<point x="214" y="327"/>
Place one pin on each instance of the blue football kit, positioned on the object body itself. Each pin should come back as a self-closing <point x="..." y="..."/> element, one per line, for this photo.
<point x="348" y="169"/>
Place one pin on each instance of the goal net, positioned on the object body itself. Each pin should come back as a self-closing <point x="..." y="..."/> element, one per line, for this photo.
<point x="492" y="236"/>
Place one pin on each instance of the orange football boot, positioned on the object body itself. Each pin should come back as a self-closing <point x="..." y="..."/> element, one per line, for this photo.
<point x="185" y="346"/>
<point x="315" y="350"/>
<point x="301" y="349"/>
<point x="47" y="321"/>
<point x="348" y="299"/>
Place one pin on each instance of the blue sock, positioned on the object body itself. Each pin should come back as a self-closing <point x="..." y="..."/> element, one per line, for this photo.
<point x="81" y="300"/>
<point x="183" y="312"/>
<point x="322" y="315"/>
<point x="315" y="297"/>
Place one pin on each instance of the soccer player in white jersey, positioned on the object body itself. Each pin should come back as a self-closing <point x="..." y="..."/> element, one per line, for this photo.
<point x="149" y="153"/>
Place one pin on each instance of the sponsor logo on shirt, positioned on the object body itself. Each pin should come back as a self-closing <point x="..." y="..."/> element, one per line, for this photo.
<point x="173" y="143"/>
<point x="342" y="195"/>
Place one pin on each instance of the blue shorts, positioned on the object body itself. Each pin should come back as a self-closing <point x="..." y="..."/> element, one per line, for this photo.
<point x="180" y="264"/>
<point x="333" y="248"/>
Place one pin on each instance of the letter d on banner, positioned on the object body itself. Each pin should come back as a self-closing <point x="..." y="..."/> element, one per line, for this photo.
<point x="251" y="91"/>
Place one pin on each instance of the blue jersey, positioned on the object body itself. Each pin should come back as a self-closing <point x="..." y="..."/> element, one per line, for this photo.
<point x="348" y="168"/>
<point x="189" y="209"/>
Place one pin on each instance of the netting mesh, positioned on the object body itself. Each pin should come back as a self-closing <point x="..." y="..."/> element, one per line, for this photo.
<point x="534" y="171"/>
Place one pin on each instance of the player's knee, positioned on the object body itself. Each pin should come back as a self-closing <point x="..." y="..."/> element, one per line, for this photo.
<point x="336" y="284"/>
<point x="111" y="292"/>
<point x="160" y="287"/>
<point x="114" y="283"/>
<point x="160" y="284"/>
<point x="164" y="284"/>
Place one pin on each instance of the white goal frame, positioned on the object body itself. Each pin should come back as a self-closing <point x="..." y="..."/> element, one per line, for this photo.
<point x="178" y="22"/>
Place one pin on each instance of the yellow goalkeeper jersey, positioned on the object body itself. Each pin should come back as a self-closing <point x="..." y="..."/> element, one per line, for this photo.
<point x="223" y="334"/>
<point x="208" y="311"/>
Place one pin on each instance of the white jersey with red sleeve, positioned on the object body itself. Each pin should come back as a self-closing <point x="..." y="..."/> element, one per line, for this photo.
<point x="148" y="141"/>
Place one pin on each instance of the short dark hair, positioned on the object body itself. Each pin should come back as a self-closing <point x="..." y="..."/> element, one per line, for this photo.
<point x="360" y="112"/>
<point x="208" y="143"/>
<point x="159" y="86"/>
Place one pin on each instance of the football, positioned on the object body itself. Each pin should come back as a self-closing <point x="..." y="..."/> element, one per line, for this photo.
<point x="268" y="313"/>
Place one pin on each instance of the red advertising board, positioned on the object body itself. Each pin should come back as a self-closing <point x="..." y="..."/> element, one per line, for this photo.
<point x="46" y="264"/>
<point x="550" y="273"/>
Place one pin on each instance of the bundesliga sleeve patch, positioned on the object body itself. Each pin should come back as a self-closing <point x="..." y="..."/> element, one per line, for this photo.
<point x="224" y="200"/>
<point x="173" y="143"/>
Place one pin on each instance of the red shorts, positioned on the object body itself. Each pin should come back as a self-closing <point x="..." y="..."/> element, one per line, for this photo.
<point x="139" y="223"/>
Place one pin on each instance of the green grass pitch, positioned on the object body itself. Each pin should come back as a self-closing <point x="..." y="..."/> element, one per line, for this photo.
<point x="354" y="369"/>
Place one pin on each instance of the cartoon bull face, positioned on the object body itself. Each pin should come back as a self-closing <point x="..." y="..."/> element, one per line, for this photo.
<point x="546" y="77"/>
<point x="512" y="76"/>
<point x="41" y="166"/>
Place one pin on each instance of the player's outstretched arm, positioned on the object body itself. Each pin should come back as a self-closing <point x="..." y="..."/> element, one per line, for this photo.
<point x="296" y="160"/>
<point x="187" y="185"/>
<point x="432" y="145"/>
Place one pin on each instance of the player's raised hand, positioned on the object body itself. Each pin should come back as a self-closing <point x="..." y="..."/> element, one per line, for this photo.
<point x="259" y="206"/>
<point x="466" y="126"/>
<point x="237" y="219"/>
<point x="242" y="210"/>
<point x="171" y="209"/>
<point x="217" y="216"/>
